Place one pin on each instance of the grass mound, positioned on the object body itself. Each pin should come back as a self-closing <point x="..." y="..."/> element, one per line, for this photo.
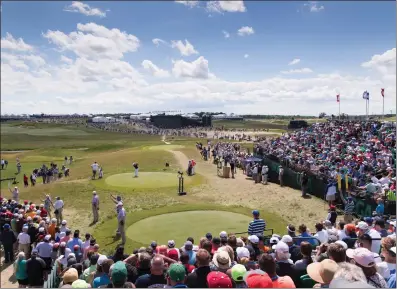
<point x="173" y="226"/>
<point x="146" y="180"/>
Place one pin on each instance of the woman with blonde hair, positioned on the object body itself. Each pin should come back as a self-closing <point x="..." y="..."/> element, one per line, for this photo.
<point x="20" y="270"/>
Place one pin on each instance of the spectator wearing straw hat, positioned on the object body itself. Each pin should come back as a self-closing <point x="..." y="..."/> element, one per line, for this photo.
<point x="322" y="272"/>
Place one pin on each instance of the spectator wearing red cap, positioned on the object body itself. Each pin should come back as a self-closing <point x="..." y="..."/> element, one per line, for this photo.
<point x="218" y="280"/>
<point x="258" y="279"/>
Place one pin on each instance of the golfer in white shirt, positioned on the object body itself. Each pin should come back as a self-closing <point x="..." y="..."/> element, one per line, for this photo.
<point x="95" y="168"/>
<point x="121" y="221"/>
<point x="58" y="205"/>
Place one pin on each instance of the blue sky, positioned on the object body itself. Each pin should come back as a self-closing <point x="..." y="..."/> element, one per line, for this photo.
<point x="335" y="39"/>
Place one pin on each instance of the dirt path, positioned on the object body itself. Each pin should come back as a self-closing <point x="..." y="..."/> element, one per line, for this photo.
<point x="244" y="192"/>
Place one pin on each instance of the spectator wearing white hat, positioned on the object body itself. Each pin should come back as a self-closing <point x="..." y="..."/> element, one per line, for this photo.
<point x="364" y="259"/>
<point x="284" y="265"/>
<point x="95" y="207"/>
<point x="363" y="228"/>
<point x="24" y="241"/>
<point x="63" y="227"/>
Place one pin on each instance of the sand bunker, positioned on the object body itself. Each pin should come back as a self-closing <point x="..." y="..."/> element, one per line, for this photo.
<point x="179" y="226"/>
<point x="146" y="180"/>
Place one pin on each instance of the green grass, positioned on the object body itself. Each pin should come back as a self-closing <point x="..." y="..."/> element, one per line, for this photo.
<point x="105" y="232"/>
<point x="172" y="226"/>
<point x="148" y="180"/>
<point x="248" y="124"/>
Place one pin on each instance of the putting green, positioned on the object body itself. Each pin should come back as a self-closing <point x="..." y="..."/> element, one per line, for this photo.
<point x="166" y="147"/>
<point x="145" y="180"/>
<point x="178" y="226"/>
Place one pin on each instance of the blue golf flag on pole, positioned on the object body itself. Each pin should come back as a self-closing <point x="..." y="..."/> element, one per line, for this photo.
<point x="365" y="95"/>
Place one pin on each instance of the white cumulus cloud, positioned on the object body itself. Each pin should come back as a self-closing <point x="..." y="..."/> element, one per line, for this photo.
<point x="94" y="41"/>
<point x="154" y="69"/>
<point x="226" y="6"/>
<point x="185" y="49"/>
<point x="294" y="61"/>
<point x="196" y="69"/>
<point x="85" y="9"/>
<point x="190" y="4"/>
<point x="157" y="41"/>
<point x="245" y="30"/>
<point x="9" y="42"/>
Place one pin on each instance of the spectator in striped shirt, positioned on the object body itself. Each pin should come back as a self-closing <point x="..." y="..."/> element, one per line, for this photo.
<point x="256" y="226"/>
<point x="349" y="208"/>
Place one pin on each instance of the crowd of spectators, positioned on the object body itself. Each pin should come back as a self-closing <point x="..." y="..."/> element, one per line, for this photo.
<point x="347" y="255"/>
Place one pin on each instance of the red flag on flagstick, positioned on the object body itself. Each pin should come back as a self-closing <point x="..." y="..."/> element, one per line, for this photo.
<point x="337" y="98"/>
<point x="382" y="91"/>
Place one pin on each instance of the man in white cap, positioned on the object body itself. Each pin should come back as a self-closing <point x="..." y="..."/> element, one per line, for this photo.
<point x="121" y="221"/>
<point x="24" y="241"/>
<point x="95" y="207"/>
<point x="363" y="228"/>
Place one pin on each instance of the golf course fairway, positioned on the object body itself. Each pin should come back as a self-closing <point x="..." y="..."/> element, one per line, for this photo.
<point x="145" y="180"/>
<point x="178" y="226"/>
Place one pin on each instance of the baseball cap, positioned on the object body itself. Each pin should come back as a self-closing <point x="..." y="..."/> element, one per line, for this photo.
<point x="255" y="212"/>
<point x="70" y="276"/>
<point x="171" y="244"/>
<point x="101" y="259"/>
<point x="362" y="226"/>
<point x="76" y="247"/>
<point x="327" y="223"/>
<point x="253" y="239"/>
<point x="216" y="279"/>
<point x="6" y="226"/>
<point x="368" y="220"/>
<point x="208" y="236"/>
<point x="223" y="235"/>
<point x="119" y="272"/>
<point x="340" y="242"/>
<point x="362" y="256"/>
<point x="350" y="228"/>
<point x="282" y="247"/>
<point x="322" y="272"/>
<point x="242" y="252"/>
<point x="238" y="272"/>
<point x="274" y="240"/>
<point x="94" y="192"/>
<point x="47" y="237"/>
<point x="188" y="245"/>
<point x="80" y="284"/>
<point x="153" y="244"/>
<point x="173" y="254"/>
<point x="177" y="272"/>
<point x="258" y="279"/>
<point x="291" y="228"/>
<point x="287" y="239"/>
<point x="393" y="249"/>
<point x="64" y="222"/>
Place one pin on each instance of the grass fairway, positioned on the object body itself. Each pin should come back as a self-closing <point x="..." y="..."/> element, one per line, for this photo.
<point x="173" y="226"/>
<point x="166" y="147"/>
<point x="148" y="180"/>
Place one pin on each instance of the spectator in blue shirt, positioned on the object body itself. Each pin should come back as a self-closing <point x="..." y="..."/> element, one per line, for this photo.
<point x="76" y="241"/>
<point x="380" y="209"/>
<point x="256" y="226"/>
<point x="103" y="279"/>
<point x="304" y="233"/>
